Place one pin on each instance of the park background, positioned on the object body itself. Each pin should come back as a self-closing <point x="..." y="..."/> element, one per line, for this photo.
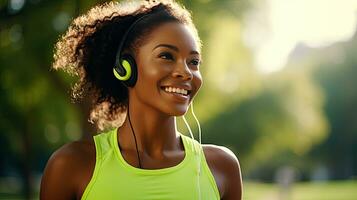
<point x="280" y="80"/>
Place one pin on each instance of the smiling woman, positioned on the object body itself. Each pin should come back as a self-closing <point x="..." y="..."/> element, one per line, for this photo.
<point x="139" y="60"/>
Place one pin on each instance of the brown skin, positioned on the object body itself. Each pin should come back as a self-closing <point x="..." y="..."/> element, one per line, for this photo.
<point x="152" y="112"/>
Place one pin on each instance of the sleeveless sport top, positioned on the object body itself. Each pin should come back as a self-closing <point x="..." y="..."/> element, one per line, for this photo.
<point x="114" y="178"/>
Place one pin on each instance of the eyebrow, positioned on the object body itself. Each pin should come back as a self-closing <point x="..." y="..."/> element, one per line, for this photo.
<point x="175" y="48"/>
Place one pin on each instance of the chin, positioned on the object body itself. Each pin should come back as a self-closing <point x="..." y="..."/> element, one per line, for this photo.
<point x="177" y="110"/>
<point x="178" y="114"/>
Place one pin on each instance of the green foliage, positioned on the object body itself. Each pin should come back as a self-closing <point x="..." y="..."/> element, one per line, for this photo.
<point x="285" y="116"/>
<point x="335" y="71"/>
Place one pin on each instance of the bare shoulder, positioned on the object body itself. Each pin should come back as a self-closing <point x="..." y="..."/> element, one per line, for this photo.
<point x="68" y="170"/>
<point x="225" y="166"/>
<point x="73" y="151"/>
<point x="221" y="153"/>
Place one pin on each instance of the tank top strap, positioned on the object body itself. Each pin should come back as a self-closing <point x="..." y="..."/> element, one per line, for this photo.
<point x="194" y="148"/>
<point x="104" y="143"/>
<point x="103" y="148"/>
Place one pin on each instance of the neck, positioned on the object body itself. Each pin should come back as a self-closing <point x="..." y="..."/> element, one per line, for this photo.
<point x="155" y="131"/>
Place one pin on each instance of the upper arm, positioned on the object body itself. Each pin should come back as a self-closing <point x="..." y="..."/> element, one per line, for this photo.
<point x="64" y="172"/>
<point x="225" y="164"/>
<point x="56" y="182"/>
<point x="233" y="175"/>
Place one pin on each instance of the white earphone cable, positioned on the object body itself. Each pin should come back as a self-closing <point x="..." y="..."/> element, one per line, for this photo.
<point x="199" y="150"/>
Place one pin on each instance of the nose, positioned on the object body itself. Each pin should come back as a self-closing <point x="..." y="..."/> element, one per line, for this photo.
<point x="182" y="71"/>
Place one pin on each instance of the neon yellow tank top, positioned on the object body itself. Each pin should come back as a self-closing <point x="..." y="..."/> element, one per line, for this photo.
<point x="114" y="178"/>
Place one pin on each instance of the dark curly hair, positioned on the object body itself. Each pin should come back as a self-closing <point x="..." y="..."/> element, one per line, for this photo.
<point x="89" y="46"/>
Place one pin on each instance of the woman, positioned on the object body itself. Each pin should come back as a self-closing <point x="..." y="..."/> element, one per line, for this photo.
<point x="140" y="60"/>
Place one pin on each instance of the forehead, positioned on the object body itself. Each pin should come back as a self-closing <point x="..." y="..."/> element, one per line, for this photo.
<point x="173" y="33"/>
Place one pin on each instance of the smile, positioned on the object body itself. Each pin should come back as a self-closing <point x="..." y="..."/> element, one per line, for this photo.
<point x="179" y="94"/>
<point x="176" y="90"/>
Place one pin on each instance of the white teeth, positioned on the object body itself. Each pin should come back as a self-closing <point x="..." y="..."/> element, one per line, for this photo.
<point x="176" y="90"/>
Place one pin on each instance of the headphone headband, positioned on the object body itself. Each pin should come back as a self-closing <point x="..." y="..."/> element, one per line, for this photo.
<point x="123" y="40"/>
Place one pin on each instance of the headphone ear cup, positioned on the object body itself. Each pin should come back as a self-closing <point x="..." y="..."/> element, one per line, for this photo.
<point x="126" y="71"/>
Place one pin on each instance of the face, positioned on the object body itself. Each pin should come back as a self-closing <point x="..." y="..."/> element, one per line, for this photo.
<point x="168" y="69"/>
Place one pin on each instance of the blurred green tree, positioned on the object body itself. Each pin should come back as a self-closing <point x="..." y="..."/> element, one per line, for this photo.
<point x="336" y="70"/>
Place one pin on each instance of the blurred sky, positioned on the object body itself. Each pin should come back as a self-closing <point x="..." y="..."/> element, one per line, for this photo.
<point x="274" y="27"/>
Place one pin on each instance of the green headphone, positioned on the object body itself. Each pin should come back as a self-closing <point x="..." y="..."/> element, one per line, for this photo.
<point x="125" y="68"/>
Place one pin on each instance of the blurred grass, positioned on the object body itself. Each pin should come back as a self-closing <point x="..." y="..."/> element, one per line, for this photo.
<point x="333" y="190"/>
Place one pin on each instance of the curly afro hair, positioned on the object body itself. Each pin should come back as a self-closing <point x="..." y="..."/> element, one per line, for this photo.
<point x="89" y="46"/>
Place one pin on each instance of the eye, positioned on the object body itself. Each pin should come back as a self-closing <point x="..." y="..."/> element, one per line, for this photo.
<point x="166" y="56"/>
<point x="195" y="62"/>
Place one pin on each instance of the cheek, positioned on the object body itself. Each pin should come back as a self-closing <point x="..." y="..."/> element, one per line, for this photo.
<point x="146" y="71"/>
<point x="197" y="80"/>
<point x="149" y="75"/>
